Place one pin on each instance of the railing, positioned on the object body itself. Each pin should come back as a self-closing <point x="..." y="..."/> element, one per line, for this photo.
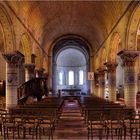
<point x="35" y="87"/>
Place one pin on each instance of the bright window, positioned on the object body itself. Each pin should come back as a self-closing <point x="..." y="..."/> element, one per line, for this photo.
<point x="81" y="77"/>
<point x="71" y="78"/>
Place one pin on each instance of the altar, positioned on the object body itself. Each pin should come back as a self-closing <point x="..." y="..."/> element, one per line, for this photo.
<point x="71" y="92"/>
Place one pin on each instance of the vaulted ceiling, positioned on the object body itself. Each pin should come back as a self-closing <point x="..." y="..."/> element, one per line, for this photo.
<point x="48" y="20"/>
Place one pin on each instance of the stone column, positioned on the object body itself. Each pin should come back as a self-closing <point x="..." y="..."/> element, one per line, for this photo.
<point x="139" y="83"/>
<point x="29" y="71"/>
<point x="130" y="81"/>
<point x="111" y="69"/>
<point x="96" y="84"/>
<point x="101" y="79"/>
<point x="12" y="60"/>
<point x="45" y="75"/>
<point x="21" y="72"/>
<point x="39" y="73"/>
<point x="54" y="78"/>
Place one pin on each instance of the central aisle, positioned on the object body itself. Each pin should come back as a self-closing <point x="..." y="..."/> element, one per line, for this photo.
<point x="71" y="124"/>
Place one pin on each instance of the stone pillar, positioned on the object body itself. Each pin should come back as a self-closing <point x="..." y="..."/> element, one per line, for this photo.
<point x="139" y="83"/>
<point x="21" y="72"/>
<point x="96" y="84"/>
<point x="29" y="71"/>
<point x="111" y="69"/>
<point x="130" y="81"/>
<point x="12" y="60"/>
<point x="40" y="73"/>
<point x="54" y="77"/>
<point x="101" y="79"/>
<point x="45" y="75"/>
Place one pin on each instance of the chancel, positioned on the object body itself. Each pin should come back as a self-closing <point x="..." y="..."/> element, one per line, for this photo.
<point x="70" y="69"/>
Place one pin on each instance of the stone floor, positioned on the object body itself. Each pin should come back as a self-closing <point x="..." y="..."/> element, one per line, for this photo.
<point x="71" y="124"/>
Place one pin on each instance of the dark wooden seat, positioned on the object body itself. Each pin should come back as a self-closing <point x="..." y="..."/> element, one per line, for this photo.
<point x="95" y="123"/>
<point x="9" y="125"/>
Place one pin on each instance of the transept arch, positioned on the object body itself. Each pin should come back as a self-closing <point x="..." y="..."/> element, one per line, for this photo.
<point x="85" y="46"/>
<point x="72" y="36"/>
<point x="61" y="46"/>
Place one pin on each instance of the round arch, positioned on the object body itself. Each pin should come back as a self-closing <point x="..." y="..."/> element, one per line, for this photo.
<point x="8" y="31"/>
<point x="96" y="64"/>
<point x="133" y="25"/>
<point x="26" y="44"/>
<point x="103" y="57"/>
<point x="64" y="43"/>
<point x="45" y="64"/>
<point x="39" y="59"/>
<point x="114" y="45"/>
<point x="71" y="37"/>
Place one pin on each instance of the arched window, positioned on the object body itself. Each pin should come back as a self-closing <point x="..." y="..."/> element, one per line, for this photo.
<point x="81" y="77"/>
<point x="71" y="78"/>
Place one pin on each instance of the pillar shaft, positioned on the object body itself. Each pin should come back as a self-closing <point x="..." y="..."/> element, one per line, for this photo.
<point x="139" y="83"/>
<point x="21" y="73"/>
<point x="130" y="81"/>
<point x="101" y="79"/>
<point x="40" y="73"/>
<point x="96" y="79"/>
<point x="111" y="68"/>
<point x="29" y="71"/>
<point x="12" y="60"/>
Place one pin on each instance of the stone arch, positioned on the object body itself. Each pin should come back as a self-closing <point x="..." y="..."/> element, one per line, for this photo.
<point x="138" y="41"/>
<point x="133" y="25"/>
<point x="96" y="64"/>
<point x="26" y="44"/>
<point x="45" y="64"/>
<point x="39" y="59"/>
<point x="103" y="57"/>
<point x="70" y="36"/>
<point x="114" y="44"/>
<point x="64" y="44"/>
<point x="60" y="40"/>
<point x="8" y="31"/>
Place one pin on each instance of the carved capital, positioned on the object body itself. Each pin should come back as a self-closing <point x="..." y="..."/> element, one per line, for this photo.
<point x="40" y="72"/>
<point x="111" y="67"/>
<point x="128" y="57"/>
<point x="30" y="67"/>
<point x="13" y="59"/>
<point x="101" y="72"/>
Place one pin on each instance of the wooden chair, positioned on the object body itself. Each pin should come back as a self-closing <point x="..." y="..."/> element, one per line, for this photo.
<point x="132" y="127"/>
<point x="2" y="111"/>
<point x="9" y="125"/>
<point x="95" y="123"/>
<point x="28" y="126"/>
<point x="114" y="123"/>
<point x="45" y="127"/>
